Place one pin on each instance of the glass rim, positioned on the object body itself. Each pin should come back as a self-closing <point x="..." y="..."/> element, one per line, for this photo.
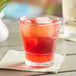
<point x="40" y="24"/>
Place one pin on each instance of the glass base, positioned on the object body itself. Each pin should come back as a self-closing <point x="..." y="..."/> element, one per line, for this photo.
<point x="39" y="65"/>
<point x="69" y="33"/>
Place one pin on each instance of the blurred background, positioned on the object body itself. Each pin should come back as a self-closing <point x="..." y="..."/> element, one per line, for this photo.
<point x="17" y="8"/>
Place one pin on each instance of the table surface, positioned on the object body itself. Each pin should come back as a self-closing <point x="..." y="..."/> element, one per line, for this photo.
<point x="68" y="67"/>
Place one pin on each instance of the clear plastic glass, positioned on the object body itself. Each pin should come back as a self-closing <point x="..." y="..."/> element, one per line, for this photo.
<point x="69" y="16"/>
<point x="39" y="40"/>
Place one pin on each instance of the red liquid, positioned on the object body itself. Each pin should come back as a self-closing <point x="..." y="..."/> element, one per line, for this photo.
<point x="39" y="49"/>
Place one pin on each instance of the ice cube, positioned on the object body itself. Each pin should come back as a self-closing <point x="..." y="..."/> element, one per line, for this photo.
<point x="23" y="18"/>
<point x="43" y="20"/>
<point x="27" y="21"/>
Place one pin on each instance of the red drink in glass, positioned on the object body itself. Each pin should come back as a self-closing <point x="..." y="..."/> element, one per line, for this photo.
<point x="39" y="39"/>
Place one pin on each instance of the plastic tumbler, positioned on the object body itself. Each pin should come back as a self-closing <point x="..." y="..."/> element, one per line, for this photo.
<point x="39" y="35"/>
